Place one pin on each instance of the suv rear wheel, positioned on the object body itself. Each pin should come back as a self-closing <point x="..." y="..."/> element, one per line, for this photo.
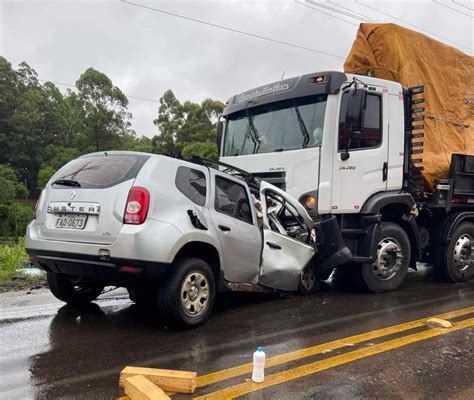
<point x="72" y="290"/>
<point x="188" y="295"/>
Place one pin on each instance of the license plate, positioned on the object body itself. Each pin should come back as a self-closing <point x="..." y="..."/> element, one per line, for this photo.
<point x="71" y="221"/>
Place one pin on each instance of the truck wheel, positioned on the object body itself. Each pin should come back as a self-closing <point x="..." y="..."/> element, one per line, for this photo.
<point x="308" y="281"/>
<point x="391" y="262"/>
<point x="76" y="294"/>
<point x="455" y="262"/>
<point x="143" y="297"/>
<point x="188" y="295"/>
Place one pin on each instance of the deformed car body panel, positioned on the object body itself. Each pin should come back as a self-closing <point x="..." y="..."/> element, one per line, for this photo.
<point x="283" y="257"/>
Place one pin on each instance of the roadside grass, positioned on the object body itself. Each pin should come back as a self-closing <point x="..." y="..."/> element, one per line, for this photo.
<point x="12" y="257"/>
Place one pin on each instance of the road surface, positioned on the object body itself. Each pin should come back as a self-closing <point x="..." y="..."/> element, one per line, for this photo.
<point x="338" y="343"/>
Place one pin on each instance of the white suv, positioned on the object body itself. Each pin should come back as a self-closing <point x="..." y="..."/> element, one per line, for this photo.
<point x="168" y="230"/>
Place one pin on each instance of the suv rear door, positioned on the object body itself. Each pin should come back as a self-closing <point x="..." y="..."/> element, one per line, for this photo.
<point x="87" y="202"/>
<point x="284" y="257"/>
<point x="233" y="214"/>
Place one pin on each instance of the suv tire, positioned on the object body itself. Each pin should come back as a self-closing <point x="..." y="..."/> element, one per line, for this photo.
<point x="75" y="294"/>
<point x="309" y="282"/>
<point x="455" y="261"/>
<point x="392" y="260"/>
<point x="188" y="295"/>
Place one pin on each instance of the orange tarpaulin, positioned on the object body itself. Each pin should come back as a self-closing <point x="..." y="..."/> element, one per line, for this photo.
<point x="391" y="52"/>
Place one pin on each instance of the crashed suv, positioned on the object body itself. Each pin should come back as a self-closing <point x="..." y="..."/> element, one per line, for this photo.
<point x="169" y="230"/>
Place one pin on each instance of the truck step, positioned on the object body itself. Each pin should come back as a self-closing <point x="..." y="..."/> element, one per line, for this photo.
<point x="353" y="232"/>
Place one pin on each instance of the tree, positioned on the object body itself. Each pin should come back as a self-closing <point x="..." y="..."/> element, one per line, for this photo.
<point x="186" y="128"/>
<point x="203" y="149"/>
<point x="169" y="122"/>
<point x="104" y="108"/>
<point x="8" y="183"/>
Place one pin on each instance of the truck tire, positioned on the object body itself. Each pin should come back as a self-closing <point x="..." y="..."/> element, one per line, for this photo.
<point x="391" y="262"/>
<point x="455" y="261"/>
<point x="75" y="294"/>
<point x="143" y="297"/>
<point x="187" y="296"/>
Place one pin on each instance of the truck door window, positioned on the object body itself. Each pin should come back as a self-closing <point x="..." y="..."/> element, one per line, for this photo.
<point x="371" y="135"/>
<point x="231" y="199"/>
<point x="192" y="183"/>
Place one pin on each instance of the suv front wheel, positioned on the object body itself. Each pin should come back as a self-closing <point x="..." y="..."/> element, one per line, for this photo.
<point x="72" y="290"/>
<point x="188" y="295"/>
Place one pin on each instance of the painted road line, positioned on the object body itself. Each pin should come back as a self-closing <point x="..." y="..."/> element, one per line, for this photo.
<point x="243" y="369"/>
<point x="321" y="365"/>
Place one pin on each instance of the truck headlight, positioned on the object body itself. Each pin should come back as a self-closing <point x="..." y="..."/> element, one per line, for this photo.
<point x="310" y="202"/>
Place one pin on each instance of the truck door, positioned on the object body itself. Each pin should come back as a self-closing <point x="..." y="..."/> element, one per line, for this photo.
<point x="284" y="256"/>
<point x="365" y="171"/>
<point x="233" y="214"/>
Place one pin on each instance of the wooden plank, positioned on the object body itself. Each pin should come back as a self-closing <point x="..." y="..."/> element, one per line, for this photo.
<point x="140" y="388"/>
<point x="166" y="379"/>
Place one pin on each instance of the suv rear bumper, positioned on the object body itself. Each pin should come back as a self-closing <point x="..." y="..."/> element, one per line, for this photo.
<point x="119" y="271"/>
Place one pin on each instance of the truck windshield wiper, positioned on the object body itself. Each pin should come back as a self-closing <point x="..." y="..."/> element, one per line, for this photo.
<point x="67" y="182"/>
<point x="303" y="128"/>
<point x="254" y="134"/>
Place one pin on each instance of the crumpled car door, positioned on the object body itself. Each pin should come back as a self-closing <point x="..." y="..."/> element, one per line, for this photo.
<point x="283" y="257"/>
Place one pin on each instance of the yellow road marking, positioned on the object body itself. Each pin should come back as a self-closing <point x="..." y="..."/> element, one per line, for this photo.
<point x="243" y="369"/>
<point x="321" y="365"/>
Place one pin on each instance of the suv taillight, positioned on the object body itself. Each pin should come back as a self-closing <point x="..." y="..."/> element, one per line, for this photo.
<point x="35" y="211"/>
<point x="136" y="209"/>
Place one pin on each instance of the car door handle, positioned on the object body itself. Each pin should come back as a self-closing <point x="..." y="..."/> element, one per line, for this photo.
<point x="224" y="228"/>
<point x="273" y="246"/>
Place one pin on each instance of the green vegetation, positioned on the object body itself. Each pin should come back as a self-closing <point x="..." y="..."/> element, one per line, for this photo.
<point x="41" y="129"/>
<point x="13" y="257"/>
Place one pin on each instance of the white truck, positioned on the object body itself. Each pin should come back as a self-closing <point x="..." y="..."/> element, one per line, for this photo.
<point x="350" y="147"/>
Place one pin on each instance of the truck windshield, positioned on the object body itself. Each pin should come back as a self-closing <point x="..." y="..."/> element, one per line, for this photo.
<point x="284" y="125"/>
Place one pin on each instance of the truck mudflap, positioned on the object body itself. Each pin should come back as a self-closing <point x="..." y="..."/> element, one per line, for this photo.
<point x="331" y="248"/>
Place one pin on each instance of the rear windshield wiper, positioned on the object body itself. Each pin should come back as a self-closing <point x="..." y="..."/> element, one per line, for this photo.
<point x="67" y="182"/>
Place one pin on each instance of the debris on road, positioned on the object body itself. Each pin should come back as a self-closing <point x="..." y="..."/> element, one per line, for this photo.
<point x="140" y="388"/>
<point x="168" y="380"/>
<point x="439" y="323"/>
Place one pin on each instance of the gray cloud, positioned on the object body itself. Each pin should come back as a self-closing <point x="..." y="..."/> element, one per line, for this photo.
<point x="145" y="52"/>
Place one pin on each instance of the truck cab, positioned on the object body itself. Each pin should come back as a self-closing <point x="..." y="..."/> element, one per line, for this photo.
<point x="296" y="138"/>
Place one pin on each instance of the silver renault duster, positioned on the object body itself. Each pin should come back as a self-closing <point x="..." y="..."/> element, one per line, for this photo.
<point x="169" y="230"/>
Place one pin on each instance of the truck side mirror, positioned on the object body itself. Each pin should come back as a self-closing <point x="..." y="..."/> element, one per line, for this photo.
<point x="355" y="114"/>
<point x="220" y="130"/>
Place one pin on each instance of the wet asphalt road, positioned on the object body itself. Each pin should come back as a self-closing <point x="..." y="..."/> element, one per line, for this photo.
<point x="50" y="351"/>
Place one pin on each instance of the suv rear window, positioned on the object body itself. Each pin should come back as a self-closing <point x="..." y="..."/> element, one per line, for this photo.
<point x="192" y="183"/>
<point x="103" y="171"/>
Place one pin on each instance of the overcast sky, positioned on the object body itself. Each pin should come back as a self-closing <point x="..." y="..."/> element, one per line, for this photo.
<point x="145" y="52"/>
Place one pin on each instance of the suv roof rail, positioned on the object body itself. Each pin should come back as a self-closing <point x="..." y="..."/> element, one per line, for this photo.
<point x="252" y="181"/>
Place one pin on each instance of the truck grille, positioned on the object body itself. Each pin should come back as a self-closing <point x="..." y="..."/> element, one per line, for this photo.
<point x="277" y="179"/>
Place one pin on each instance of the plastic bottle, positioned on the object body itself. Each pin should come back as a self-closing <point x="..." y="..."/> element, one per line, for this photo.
<point x="258" y="374"/>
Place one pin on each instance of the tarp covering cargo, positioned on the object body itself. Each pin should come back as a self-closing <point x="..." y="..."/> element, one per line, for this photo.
<point x="391" y="52"/>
